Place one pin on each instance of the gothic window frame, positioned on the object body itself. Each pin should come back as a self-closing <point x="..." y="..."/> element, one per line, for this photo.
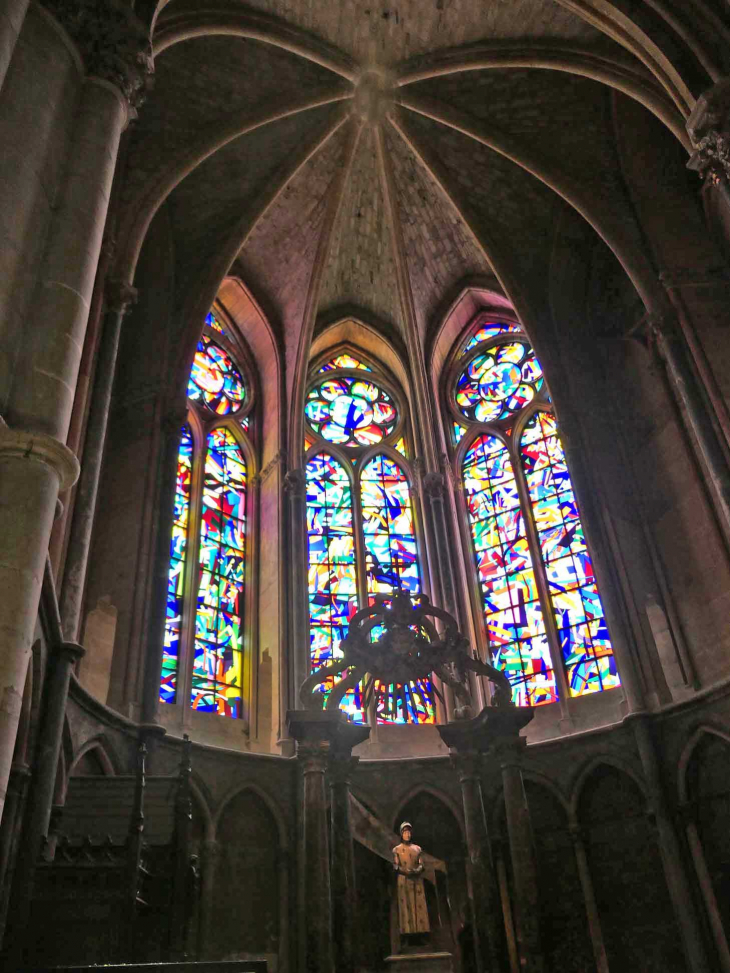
<point x="459" y="358"/>
<point x="354" y="460"/>
<point x="202" y="421"/>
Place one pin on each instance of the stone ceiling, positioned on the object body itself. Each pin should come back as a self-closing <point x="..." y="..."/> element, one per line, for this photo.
<point x="342" y="158"/>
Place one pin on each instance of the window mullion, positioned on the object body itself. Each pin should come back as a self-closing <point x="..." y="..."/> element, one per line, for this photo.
<point x="192" y="575"/>
<point x="538" y="568"/>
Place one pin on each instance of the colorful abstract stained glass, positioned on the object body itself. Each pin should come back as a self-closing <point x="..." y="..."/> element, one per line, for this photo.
<point x="332" y="568"/>
<point x="391" y="564"/>
<point x="458" y="432"/>
<point x="498" y="382"/>
<point x="215" y="380"/>
<point x="176" y="576"/>
<point x="512" y="610"/>
<point x="401" y="446"/>
<point x="217" y="665"/>
<point x="584" y="640"/>
<point x="213" y="322"/>
<point x="344" y="360"/>
<point x="350" y="411"/>
<point x="487" y="330"/>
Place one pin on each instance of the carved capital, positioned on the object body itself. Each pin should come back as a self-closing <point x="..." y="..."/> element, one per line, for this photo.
<point x="509" y="751"/>
<point x="71" y="652"/>
<point x="120" y="296"/>
<point x="313" y="756"/>
<point x="341" y="767"/>
<point x="434" y="486"/>
<point x="114" y="43"/>
<point x="295" y="484"/>
<point x="708" y="127"/>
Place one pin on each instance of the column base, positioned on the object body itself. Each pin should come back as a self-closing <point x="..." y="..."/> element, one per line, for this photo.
<point x="420" y="963"/>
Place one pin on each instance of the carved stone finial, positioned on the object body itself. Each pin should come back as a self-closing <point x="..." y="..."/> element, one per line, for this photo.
<point x="114" y="43"/>
<point x="708" y="127"/>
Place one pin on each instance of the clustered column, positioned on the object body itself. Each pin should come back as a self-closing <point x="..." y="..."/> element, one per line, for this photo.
<point x="35" y="464"/>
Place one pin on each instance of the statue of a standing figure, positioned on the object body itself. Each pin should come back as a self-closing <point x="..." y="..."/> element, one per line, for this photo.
<point x="412" y="912"/>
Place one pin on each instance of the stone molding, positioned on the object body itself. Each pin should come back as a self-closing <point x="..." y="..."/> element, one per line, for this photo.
<point x="44" y="449"/>
<point x="113" y="42"/>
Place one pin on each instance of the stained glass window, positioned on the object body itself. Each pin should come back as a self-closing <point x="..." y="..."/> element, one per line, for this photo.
<point x="215" y="380"/>
<point x="362" y="541"/>
<point x="212" y="321"/>
<point x="344" y="360"/>
<point x="351" y="411"/>
<point x="537" y="590"/>
<point x="332" y="567"/>
<point x="219" y="616"/>
<point x="498" y="381"/>
<point x="487" y="330"/>
<point x="584" y="641"/>
<point x="391" y="564"/>
<point x="202" y="662"/>
<point x="176" y="578"/>
<point x="512" y="610"/>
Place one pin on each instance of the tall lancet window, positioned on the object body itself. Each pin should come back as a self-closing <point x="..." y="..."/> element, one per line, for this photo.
<point x="205" y="664"/>
<point x="534" y="581"/>
<point x="362" y="531"/>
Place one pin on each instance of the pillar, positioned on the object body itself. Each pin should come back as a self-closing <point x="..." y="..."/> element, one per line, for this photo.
<point x="343" y="885"/>
<point x="119" y="298"/>
<point x="42" y="783"/>
<point x="35" y="465"/>
<point x="522" y="853"/>
<point x="210" y="853"/>
<point x="589" y="898"/>
<point x="12" y="15"/>
<point x="481" y="875"/>
<point x="314" y="732"/>
<point x="675" y="869"/>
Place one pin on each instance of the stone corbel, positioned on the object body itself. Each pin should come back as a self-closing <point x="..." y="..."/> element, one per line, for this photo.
<point x="41" y="448"/>
<point x="708" y="127"/>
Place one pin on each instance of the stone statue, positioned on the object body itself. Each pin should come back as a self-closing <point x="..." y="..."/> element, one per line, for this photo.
<point x="412" y="912"/>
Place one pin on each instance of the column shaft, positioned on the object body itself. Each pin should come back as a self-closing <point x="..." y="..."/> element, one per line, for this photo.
<point x="589" y="898"/>
<point x="77" y="556"/>
<point x="12" y="15"/>
<point x="45" y="380"/>
<point x="42" y="783"/>
<point x="671" y="851"/>
<point x="687" y="388"/>
<point x="524" y="866"/>
<point x="318" y="956"/>
<point x="208" y="866"/>
<point x="484" y="893"/>
<point x="344" y="893"/>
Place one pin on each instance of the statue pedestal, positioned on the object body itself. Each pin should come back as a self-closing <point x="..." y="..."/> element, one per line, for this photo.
<point x="420" y="963"/>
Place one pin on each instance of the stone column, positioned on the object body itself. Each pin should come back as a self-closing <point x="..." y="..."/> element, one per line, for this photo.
<point x="210" y="853"/>
<point x="42" y="784"/>
<point x="12" y="15"/>
<point x="33" y="469"/>
<point x="684" y="381"/>
<point x="675" y="870"/>
<point x="522" y="851"/>
<point x="34" y="464"/>
<point x="314" y="732"/>
<point x="343" y="886"/>
<point x="120" y="297"/>
<point x="319" y="734"/>
<point x="589" y="898"/>
<point x="481" y="874"/>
